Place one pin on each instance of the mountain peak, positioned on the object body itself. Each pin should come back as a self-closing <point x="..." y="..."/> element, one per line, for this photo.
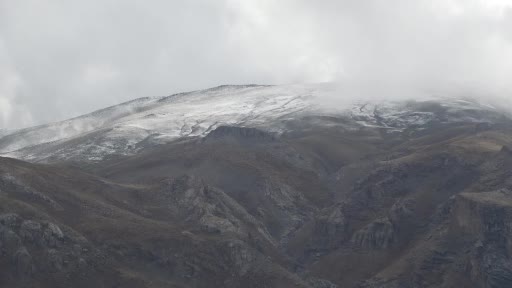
<point x="126" y="128"/>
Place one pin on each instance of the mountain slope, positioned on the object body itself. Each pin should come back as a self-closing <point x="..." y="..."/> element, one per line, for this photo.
<point x="130" y="127"/>
<point x="119" y="129"/>
<point x="268" y="189"/>
<point x="60" y="227"/>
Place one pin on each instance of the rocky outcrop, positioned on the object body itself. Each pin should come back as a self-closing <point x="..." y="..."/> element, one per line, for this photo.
<point x="377" y="235"/>
<point x="241" y="256"/>
<point x="33" y="250"/>
<point x="209" y="207"/>
<point x="487" y="217"/>
<point x="401" y="210"/>
<point x="331" y="229"/>
<point x="487" y="214"/>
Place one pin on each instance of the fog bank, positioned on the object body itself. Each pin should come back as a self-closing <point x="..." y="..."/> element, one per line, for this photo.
<point x="60" y="59"/>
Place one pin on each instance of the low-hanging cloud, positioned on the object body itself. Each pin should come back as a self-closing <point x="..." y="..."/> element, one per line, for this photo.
<point x="62" y="58"/>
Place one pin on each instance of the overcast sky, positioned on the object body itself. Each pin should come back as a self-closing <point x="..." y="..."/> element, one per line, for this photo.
<point x="63" y="58"/>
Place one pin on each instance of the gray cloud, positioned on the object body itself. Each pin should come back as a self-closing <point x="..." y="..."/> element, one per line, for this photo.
<point x="61" y="58"/>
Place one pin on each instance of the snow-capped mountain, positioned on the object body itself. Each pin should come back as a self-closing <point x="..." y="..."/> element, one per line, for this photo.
<point x="206" y="188"/>
<point x="120" y="128"/>
<point x="126" y="128"/>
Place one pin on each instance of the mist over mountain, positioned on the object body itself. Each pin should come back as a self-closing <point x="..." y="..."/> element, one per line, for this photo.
<point x="312" y="144"/>
<point x="61" y="60"/>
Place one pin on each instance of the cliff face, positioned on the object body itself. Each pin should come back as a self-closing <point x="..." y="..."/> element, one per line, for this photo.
<point x="377" y="235"/>
<point x="487" y="218"/>
<point x="467" y="244"/>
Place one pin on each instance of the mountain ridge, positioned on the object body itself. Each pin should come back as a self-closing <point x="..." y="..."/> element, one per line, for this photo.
<point x="159" y="120"/>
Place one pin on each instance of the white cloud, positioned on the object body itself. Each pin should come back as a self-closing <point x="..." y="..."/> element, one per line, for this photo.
<point x="71" y="57"/>
<point x="12" y="114"/>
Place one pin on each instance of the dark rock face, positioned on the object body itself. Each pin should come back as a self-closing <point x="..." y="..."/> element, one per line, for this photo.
<point x="35" y="250"/>
<point x="485" y="216"/>
<point x="376" y="235"/>
<point x="331" y="228"/>
<point x="241" y="134"/>
<point x="208" y="208"/>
